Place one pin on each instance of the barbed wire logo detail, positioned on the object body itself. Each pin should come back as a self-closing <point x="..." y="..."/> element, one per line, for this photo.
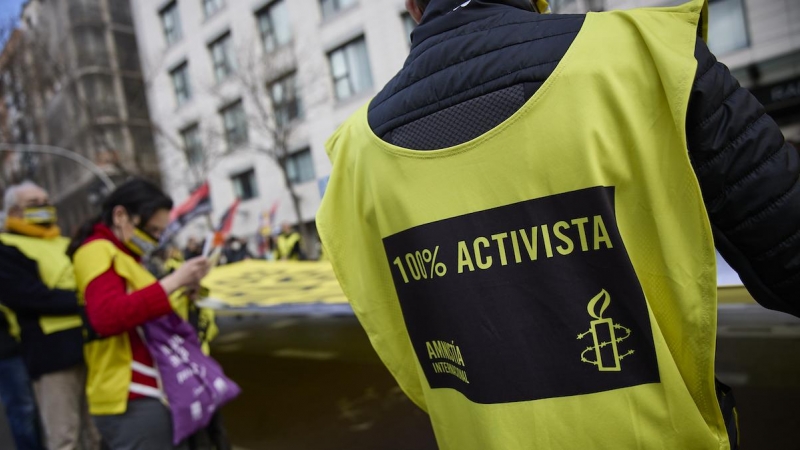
<point x="614" y="329"/>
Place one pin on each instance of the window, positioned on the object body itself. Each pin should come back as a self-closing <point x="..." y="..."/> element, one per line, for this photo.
<point x="127" y="51"/>
<point x="19" y="132"/>
<point x="408" y="25"/>
<point x="273" y="23"/>
<point x="171" y="22"/>
<point x="727" y="27"/>
<point x="300" y="167"/>
<point x="286" y="102"/>
<point x="135" y="98"/>
<point x="244" y="185"/>
<point x="235" y="122"/>
<point x="84" y="11"/>
<point x="350" y="69"/>
<point x="100" y="95"/>
<point x="110" y="137"/>
<point x="180" y="81"/>
<point x="212" y="6"/>
<point x="120" y="12"/>
<point x="330" y="7"/>
<point x="192" y="144"/>
<point x="91" y="46"/>
<point x="221" y="56"/>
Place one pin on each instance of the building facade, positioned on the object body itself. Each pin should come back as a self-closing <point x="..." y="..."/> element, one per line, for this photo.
<point x="316" y="61"/>
<point x="16" y="121"/>
<point x="85" y="93"/>
<point x="246" y="92"/>
<point x="759" y="40"/>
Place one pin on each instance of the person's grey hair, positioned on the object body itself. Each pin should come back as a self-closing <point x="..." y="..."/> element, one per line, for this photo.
<point x="10" y="198"/>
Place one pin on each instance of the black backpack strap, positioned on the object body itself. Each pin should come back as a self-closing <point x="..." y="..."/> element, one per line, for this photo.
<point x="728" y="406"/>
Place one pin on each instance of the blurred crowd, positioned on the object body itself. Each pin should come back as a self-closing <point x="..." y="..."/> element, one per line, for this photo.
<point x="286" y="246"/>
<point x="102" y="342"/>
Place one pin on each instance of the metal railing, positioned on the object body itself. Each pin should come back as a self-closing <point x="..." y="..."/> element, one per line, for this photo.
<point x="64" y="153"/>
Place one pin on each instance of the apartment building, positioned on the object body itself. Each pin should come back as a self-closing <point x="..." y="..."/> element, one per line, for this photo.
<point x="227" y="78"/>
<point x="83" y="92"/>
<point x="319" y="60"/>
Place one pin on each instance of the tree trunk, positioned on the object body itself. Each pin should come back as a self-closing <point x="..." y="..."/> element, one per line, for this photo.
<point x="305" y="243"/>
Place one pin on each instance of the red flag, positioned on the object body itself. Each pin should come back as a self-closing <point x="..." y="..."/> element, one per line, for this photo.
<point x="199" y="198"/>
<point x="225" y="224"/>
<point x="197" y="204"/>
<point x="272" y="212"/>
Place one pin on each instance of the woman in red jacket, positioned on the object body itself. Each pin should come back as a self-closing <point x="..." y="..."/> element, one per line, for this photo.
<point x="125" y="399"/>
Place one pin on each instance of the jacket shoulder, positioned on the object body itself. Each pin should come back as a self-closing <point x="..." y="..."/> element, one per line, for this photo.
<point x="92" y="260"/>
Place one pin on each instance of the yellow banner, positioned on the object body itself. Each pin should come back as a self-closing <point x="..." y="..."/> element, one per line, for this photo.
<point x="262" y="283"/>
<point x="272" y="283"/>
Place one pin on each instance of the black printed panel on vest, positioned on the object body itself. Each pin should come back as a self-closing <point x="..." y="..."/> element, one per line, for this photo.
<point x="528" y="301"/>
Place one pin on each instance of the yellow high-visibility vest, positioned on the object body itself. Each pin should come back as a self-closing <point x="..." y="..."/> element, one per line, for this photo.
<point x="286" y="243"/>
<point x="108" y="360"/>
<point x="55" y="270"/>
<point x="550" y="284"/>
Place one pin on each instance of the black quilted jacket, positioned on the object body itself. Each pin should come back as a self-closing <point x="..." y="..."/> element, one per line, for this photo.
<point x="22" y="290"/>
<point x="473" y="66"/>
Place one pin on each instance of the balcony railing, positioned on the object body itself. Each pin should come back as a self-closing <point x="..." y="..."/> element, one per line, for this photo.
<point x="81" y="12"/>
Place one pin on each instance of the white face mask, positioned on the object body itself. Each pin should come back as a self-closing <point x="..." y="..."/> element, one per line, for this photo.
<point x="236" y="246"/>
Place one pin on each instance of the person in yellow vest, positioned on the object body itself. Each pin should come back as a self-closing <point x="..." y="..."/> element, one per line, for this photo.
<point x="174" y="260"/>
<point x="288" y="244"/>
<point x="524" y="220"/>
<point x="19" y="279"/>
<point x="203" y="320"/>
<point x="125" y="398"/>
<point x="50" y="321"/>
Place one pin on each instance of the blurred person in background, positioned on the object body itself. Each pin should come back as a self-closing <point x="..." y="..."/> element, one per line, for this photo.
<point x="194" y="248"/>
<point x="174" y="260"/>
<point x="289" y="244"/>
<point x="235" y="251"/>
<point x="16" y="393"/>
<point x="39" y="286"/>
<point x="156" y="263"/>
<point x="121" y="296"/>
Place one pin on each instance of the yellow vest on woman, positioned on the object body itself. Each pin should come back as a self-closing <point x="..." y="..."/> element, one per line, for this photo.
<point x="109" y="359"/>
<point x="550" y="284"/>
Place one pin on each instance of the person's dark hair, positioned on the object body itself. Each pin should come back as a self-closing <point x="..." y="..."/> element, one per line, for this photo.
<point x="139" y="197"/>
<point x="422" y="4"/>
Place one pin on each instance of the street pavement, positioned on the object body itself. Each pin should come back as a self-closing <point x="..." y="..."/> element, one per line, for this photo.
<point x="311" y="380"/>
<point x="314" y="382"/>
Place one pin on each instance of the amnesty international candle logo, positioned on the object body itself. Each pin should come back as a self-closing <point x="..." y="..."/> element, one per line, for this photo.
<point x="492" y="300"/>
<point x="615" y="333"/>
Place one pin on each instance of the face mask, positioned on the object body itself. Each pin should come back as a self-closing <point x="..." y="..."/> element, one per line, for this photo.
<point x="236" y="246"/>
<point x="141" y="243"/>
<point x="44" y="215"/>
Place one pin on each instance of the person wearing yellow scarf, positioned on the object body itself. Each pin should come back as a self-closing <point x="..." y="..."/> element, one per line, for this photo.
<point x="49" y="315"/>
<point x="21" y="226"/>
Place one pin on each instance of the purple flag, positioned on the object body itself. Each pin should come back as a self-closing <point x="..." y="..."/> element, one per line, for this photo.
<point x="194" y="383"/>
